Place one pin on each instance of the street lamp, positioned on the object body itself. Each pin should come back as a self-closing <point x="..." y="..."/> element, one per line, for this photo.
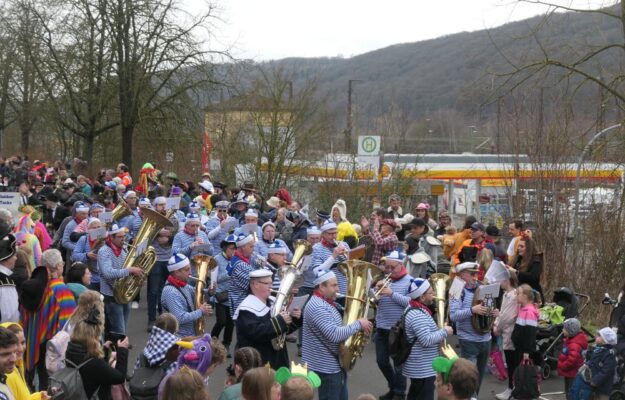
<point x="579" y="167"/>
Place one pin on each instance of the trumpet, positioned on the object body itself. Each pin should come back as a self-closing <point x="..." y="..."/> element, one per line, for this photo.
<point x="375" y="298"/>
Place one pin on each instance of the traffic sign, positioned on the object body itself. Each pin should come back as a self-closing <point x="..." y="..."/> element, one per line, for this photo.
<point x="369" y="145"/>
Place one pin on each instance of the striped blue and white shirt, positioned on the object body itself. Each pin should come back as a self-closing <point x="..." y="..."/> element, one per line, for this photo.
<point x="214" y="232"/>
<point x="69" y="228"/>
<point x="223" y="279"/>
<point x="391" y="307"/>
<point x="111" y="268"/>
<point x="182" y="306"/>
<point x="183" y="241"/>
<point x="136" y="224"/>
<point x="322" y="333"/>
<point x="262" y="248"/>
<point x="80" y="255"/>
<point x="460" y="312"/>
<point x="239" y="271"/>
<point x="421" y="325"/>
<point x="322" y="256"/>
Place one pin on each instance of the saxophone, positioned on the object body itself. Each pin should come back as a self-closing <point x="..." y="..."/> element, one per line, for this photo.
<point x="289" y="273"/>
<point x="358" y="275"/>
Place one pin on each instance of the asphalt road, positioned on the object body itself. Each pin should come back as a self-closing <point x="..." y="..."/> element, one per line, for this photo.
<point x="364" y="378"/>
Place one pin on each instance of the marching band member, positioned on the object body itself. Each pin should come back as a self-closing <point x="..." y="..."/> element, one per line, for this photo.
<point x="277" y="254"/>
<point x="130" y="197"/>
<point x="196" y="208"/>
<point x="178" y="296"/>
<point x="421" y="329"/>
<point x="393" y="300"/>
<point x="81" y="212"/>
<point x="191" y="240"/>
<point x="222" y="304"/>
<point x="239" y="269"/>
<point x="85" y="252"/>
<point x="328" y="253"/>
<point x="216" y="229"/>
<point x="313" y="237"/>
<point x="323" y="332"/>
<point x="250" y="217"/>
<point x="137" y="221"/>
<point x="267" y="238"/>
<point x="111" y="257"/>
<point x="474" y="346"/>
<point x="255" y="325"/>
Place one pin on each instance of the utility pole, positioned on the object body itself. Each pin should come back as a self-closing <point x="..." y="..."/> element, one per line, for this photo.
<point x="350" y="115"/>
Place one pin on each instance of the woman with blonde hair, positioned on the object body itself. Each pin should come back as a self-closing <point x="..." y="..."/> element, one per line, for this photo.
<point x="85" y="349"/>
<point x="185" y="384"/>
<point x="85" y="303"/>
<point x="16" y="380"/>
<point x="260" y="384"/>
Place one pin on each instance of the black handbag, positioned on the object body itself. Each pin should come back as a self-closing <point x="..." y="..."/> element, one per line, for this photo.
<point x="221" y="296"/>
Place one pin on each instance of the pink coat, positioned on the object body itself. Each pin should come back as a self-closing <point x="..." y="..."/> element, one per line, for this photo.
<point x="504" y="324"/>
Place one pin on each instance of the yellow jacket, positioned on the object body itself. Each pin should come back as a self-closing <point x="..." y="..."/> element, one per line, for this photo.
<point x="16" y="380"/>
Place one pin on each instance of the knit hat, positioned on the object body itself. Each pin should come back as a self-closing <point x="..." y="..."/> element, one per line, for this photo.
<point x="608" y="335"/>
<point x="342" y="207"/>
<point x="177" y="261"/>
<point x="192" y="217"/>
<point x="244" y="239"/>
<point x="266" y="224"/>
<point x="144" y="202"/>
<point x="418" y="287"/>
<point x="230" y="239"/>
<point x="313" y="230"/>
<point x="277" y="248"/>
<point x="572" y="326"/>
<point x="322" y="275"/>
<point x="96" y="206"/>
<point x="395" y="256"/>
<point x="81" y="207"/>
<point x="194" y="205"/>
<point x="323" y="214"/>
<point x="176" y="191"/>
<point x="422" y="206"/>
<point x="327" y="225"/>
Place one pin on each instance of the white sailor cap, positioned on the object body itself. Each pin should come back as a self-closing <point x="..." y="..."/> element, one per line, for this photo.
<point x="144" y="202"/>
<point x="260" y="273"/>
<point x="251" y="213"/>
<point x="81" y="207"/>
<point x="322" y="275"/>
<point x="417" y="287"/>
<point x="277" y="248"/>
<point x="160" y="200"/>
<point x="266" y="224"/>
<point x="327" y="225"/>
<point x="177" y="261"/>
<point x="244" y="239"/>
<point x="206" y="185"/>
<point x="91" y="220"/>
<point x="467" y="266"/>
<point x="313" y="231"/>
<point x="129" y="193"/>
<point x="222" y="204"/>
<point x="115" y="229"/>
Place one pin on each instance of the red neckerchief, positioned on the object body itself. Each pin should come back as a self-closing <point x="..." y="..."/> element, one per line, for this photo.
<point x="187" y="232"/>
<point x="91" y="242"/>
<point x="116" y="250"/>
<point x="327" y="244"/>
<point x="402" y="273"/>
<point x="417" y="304"/>
<point x="219" y="216"/>
<point x="78" y="220"/>
<point x="242" y="257"/>
<point x="205" y="195"/>
<point x="176" y="282"/>
<point x="330" y="302"/>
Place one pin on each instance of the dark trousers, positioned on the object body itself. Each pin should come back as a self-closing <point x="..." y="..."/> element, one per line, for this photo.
<point x="302" y="292"/>
<point x="512" y="361"/>
<point x="224" y="320"/>
<point x="421" y="388"/>
<point x="333" y="386"/>
<point x="41" y="371"/>
<point x="568" y="384"/>
<point x="392" y="373"/>
<point x="477" y="353"/>
<point x="156" y="282"/>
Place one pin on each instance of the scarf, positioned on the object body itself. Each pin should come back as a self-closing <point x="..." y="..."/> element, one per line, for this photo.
<point x="187" y="232"/>
<point x="116" y="250"/>
<point x="176" y="282"/>
<point x="417" y="304"/>
<point x="402" y="273"/>
<point x="328" y="244"/>
<point x="205" y="195"/>
<point x="329" y="301"/>
<point x="242" y="257"/>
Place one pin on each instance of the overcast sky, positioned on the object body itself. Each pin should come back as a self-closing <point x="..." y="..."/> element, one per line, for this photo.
<point x="273" y="29"/>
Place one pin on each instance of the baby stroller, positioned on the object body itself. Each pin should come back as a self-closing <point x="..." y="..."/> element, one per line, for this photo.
<point x="549" y="335"/>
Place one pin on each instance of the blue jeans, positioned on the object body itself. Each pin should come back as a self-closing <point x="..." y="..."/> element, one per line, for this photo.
<point x="393" y="374"/>
<point x="115" y="315"/>
<point x="156" y="282"/>
<point x="580" y="390"/>
<point x="333" y="386"/>
<point x="477" y="353"/>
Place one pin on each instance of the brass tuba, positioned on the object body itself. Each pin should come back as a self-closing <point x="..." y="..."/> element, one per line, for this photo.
<point x="289" y="273"/>
<point x="438" y="282"/>
<point x="204" y="264"/>
<point x="483" y="323"/>
<point x="358" y="275"/>
<point x="125" y="289"/>
<point x="121" y="210"/>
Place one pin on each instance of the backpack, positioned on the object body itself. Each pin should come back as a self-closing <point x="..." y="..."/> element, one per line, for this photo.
<point x="66" y="384"/>
<point x="399" y="347"/>
<point x="525" y="381"/>
<point x="55" y="350"/>
<point x="145" y="382"/>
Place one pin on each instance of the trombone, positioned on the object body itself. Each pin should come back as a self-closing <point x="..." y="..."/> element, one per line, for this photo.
<point x="375" y="298"/>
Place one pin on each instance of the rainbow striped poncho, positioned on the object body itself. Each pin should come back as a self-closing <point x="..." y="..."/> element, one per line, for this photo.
<point x="41" y="325"/>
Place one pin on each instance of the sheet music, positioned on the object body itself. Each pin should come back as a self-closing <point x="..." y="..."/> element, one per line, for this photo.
<point x="141" y="248"/>
<point x="455" y="291"/>
<point x="497" y="272"/>
<point x="249" y="228"/>
<point x="298" y="302"/>
<point x="231" y="224"/>
<point x="486" y="290"/>
<point x="173" y="202"/>
<point x="106" y="217"/>
<point x="98" y="233"/>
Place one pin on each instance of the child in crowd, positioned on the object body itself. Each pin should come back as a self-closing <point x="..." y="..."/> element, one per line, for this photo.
<point x="185" y="384"/>
<point x="597" y="373"/>
<point x="161" y="347"/>
<point x="457" y="378"/>
<point x="504" y="325"/>
<point x="245" y="359"/>
<point x="571" y="358"/>
<point x="524" y="332"/>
